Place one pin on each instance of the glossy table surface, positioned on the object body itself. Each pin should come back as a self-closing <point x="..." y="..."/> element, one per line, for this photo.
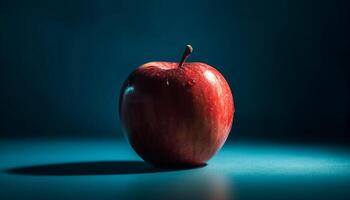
<point x="108" y="169"/>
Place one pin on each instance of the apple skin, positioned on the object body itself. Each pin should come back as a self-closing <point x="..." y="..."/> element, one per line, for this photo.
<point x="176" y="115"/>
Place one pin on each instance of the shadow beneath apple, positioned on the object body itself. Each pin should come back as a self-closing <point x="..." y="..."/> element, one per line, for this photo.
<point x="92" y="168"/>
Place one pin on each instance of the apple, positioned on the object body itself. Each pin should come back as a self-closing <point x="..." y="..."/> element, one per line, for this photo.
<point x="176" y="114"/>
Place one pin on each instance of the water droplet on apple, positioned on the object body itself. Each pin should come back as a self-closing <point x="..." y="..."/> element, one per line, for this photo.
<point x="191" y="83"/>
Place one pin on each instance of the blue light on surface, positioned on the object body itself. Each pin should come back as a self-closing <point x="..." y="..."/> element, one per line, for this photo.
<point x="107" y="169"/>
<point x="283" y="160"/>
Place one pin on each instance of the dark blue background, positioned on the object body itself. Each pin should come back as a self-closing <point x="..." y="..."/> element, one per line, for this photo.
<point x="63" y="63"/>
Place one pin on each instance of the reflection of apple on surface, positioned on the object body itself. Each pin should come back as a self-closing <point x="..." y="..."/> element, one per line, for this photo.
<point x="176" y="114"/>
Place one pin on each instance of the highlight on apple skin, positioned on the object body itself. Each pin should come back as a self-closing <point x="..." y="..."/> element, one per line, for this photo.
<point x="176" y="114"/>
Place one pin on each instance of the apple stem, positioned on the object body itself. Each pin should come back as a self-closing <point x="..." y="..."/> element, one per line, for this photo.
<point x="185" y="55"/>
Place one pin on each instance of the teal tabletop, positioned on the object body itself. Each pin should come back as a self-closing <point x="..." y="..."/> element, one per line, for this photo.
<point x="109" y="169"/>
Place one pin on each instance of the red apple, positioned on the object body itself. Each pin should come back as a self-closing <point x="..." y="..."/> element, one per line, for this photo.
<point x="176" y="114"/>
